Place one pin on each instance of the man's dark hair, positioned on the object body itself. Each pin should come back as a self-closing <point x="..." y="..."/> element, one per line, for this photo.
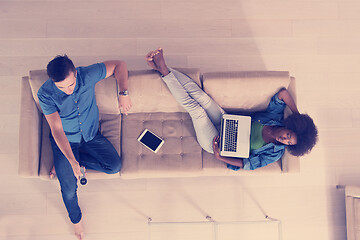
<point x="304" y="128"/>
<point x="60" y="67"/>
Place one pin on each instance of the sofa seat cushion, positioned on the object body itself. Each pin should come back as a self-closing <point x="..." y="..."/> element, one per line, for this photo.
<point x="149" y="93"/>
<point x="244" y="91"/>
<point x="105" y="92"/>
<point x="215" y="167"/>
<point x="179" y="156"/>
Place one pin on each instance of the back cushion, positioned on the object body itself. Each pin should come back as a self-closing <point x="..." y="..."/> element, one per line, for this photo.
<point x="150" y="94"/>
<point x="105" y="91"/>
<point x="244" y="90"/>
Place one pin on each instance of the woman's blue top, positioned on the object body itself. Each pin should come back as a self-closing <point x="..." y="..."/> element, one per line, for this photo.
<point x="272" y="116"/>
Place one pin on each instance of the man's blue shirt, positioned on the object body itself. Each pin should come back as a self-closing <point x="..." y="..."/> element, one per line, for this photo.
<point x="273" y="116"/>
<point x="78" y="111"/>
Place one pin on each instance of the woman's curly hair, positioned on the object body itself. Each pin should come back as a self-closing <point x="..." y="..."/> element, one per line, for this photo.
<point x="304" y="128"/>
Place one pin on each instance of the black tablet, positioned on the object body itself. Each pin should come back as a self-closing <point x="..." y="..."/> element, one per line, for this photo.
<point x="150" y="140"/>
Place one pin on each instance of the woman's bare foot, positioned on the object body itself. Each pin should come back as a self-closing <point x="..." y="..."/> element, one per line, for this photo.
<point x="149" y="60"/>
<point x="52" y="173"/>
<point x="155" y="59"/>
<point x="79" y="230"/>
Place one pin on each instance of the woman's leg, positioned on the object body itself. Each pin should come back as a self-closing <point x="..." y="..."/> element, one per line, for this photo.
<point x="213" y="110"/>
<point x="204" y="128"/>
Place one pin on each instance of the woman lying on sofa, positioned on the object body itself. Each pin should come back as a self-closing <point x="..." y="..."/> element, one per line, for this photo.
<point x="297" y="132"/>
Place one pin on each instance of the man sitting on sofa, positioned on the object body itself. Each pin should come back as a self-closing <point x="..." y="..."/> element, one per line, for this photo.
<point x="69" y="105"/>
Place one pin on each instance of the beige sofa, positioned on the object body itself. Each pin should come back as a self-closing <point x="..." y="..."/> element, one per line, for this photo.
<point x="154" y="108"/>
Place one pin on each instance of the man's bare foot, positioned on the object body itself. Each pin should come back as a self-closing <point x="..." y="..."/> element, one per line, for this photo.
<point x="52" y="173"/>
<point x="155" y="60"/>
<point x="79" y="230"/>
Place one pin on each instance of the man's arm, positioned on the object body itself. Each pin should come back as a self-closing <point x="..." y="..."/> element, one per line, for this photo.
<point x="62" y="141"/>
<point x="119" y="69"/>
<point x="287" y="98"/>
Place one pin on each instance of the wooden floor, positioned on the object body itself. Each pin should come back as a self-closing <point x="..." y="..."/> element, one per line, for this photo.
<point x="316" y="40"/>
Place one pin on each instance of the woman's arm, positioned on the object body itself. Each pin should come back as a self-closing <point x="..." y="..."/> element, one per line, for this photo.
<point x="289" y="101"/>
<point x="233" y="161"/>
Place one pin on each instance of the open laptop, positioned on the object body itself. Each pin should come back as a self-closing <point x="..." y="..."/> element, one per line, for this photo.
<point x="235" y="136"/>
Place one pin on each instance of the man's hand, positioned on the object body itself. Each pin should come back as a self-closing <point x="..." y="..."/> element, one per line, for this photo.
<point x="125" y="103"/>
<point x="77" y="170"/>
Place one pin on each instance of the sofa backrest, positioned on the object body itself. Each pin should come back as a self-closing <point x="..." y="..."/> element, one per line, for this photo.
<point x="105" y="91"/>
<point x="244" y="91"/>
<point x="150" y="94"/>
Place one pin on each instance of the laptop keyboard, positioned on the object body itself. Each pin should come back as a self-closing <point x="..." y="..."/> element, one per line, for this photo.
<point x="231" y="129"/>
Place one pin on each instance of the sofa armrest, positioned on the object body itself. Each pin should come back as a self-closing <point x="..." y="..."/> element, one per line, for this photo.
<point x="29" y="132"/>
<point x="290" y="163"/>
<point x="292" y="90"/>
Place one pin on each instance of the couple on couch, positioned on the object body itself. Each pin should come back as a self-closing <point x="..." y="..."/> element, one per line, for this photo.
<point x="69" y="105"/>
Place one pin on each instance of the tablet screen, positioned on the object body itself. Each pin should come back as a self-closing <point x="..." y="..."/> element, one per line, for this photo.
<point x="151" y="141"/>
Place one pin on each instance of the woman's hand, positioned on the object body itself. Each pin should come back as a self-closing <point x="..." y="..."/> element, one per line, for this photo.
<point x="233" y="161"/>
<point x="288" y="100"/>
<point x="216" y="148"/>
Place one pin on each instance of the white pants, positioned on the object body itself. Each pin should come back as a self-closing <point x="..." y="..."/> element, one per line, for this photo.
<point x="204" y="112"/>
